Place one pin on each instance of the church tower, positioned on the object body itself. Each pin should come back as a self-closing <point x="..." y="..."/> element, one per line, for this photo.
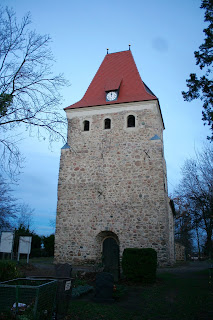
<point x="112" y="188"/>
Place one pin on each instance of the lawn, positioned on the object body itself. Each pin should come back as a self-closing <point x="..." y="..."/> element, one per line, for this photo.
<point x="44" y="260"/>
<point x="174" y="296"/>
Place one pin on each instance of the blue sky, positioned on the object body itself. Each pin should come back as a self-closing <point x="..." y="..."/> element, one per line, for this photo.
<point x="163" y="36"/>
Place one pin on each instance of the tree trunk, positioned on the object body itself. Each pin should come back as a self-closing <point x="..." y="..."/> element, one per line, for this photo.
<point x="198" y="241"/>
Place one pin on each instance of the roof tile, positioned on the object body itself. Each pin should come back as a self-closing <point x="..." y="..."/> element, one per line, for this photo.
<point x="117" y="69"/>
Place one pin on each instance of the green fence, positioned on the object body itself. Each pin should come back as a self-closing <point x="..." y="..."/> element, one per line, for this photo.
<point x="63" y="295"/>
<point x="28" y="299"/>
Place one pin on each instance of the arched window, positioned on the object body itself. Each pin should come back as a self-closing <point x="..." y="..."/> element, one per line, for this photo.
<point x="130" y="121"/>
<point x="86" y="125"/>
<point x="107" y="123"/>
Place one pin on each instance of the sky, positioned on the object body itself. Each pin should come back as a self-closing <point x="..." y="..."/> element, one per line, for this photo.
<point x="163" y="36"/>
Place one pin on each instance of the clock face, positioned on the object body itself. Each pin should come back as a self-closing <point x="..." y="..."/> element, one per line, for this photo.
<point x="112" y="95"/>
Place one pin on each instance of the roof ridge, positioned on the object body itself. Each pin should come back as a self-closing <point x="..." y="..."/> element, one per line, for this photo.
<point x="115" y="66"/>
<point x="119" y="51"/>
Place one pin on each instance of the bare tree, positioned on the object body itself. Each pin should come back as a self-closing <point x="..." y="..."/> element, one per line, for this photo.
<point x="29" y="92"/>
<point x="8" y="206"/>
<point x="196" y="190"/>
<point x="25" y="216"/>
<point x="183" y="225"/>
<point x="13" y="214"/>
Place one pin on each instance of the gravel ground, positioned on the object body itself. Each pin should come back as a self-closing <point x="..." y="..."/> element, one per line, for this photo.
<point x="48" y="269"/>
<point x="189" y="266"/>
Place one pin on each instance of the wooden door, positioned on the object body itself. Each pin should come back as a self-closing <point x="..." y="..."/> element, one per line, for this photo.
<point x="111" y="257"/>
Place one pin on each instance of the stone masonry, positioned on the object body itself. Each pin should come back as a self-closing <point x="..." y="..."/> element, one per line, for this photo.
<point x="113" y="183"/>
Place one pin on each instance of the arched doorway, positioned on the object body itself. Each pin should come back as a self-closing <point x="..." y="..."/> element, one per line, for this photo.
<point x="110" y="257"/>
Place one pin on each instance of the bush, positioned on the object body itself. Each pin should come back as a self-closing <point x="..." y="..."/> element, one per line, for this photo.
<point x="140" y="264"/>
<point x="37" y="252"/>
<point x="8" y="270"/>
<point x="49" y="245"/>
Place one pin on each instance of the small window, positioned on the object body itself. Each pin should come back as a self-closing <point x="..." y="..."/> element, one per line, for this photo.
<point x="107" y="123"/>
<point x="86" y="125"/>
<point x="130" y="121"/>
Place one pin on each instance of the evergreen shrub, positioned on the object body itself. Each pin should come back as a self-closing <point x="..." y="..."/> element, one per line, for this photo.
<point x="8" y="270"/>
<point x="49" y="245"/>
<point x="140" y="264"/>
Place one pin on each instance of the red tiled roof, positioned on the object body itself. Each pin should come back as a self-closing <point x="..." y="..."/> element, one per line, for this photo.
<point x="117" y="70"/>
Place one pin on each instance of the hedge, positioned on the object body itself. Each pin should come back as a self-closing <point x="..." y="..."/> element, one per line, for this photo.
<point x="140" y="264"/>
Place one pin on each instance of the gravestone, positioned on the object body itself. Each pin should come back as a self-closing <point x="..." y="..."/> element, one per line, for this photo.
<point x="104" y="287"/>
<point x="63" y="270"/>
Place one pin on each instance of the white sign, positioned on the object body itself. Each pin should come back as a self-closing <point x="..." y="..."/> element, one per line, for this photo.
<point x="67" y="285"/>
<point x="6" y="244"/>
<point x="24" y="245"/>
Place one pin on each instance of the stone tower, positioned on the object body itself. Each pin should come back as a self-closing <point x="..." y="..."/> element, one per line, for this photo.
<point x="112" y="188"/>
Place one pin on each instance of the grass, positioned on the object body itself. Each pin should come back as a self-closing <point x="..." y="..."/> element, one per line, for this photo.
<point x="95" y="311"/>
<point x="184" y="296"/>
<point x="177" y="298"/>
<point x="44" y="260"/>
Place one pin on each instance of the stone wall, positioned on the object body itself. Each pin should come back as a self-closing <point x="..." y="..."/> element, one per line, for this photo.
<point x="113" y="182"/>
<point x="180" y="252"/>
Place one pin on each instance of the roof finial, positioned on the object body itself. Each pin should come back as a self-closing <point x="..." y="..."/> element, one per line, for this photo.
<point x="107" y="50"/>
<point x="129" y="46"/>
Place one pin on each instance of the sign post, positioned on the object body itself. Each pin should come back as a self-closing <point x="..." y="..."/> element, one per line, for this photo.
<point x="6" y="244"/>
<point x="24" y="247"/>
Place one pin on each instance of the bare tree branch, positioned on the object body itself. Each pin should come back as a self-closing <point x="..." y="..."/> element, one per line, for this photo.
<point x="29" y="92"/>
<point x="196" y="192"/>
<point x="8" y="205"/>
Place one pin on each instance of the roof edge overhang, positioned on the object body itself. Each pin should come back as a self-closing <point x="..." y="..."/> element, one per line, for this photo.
<point x="114" y="102"/>
<point x="75" y="106"/>
<point x="161" y="114"/>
